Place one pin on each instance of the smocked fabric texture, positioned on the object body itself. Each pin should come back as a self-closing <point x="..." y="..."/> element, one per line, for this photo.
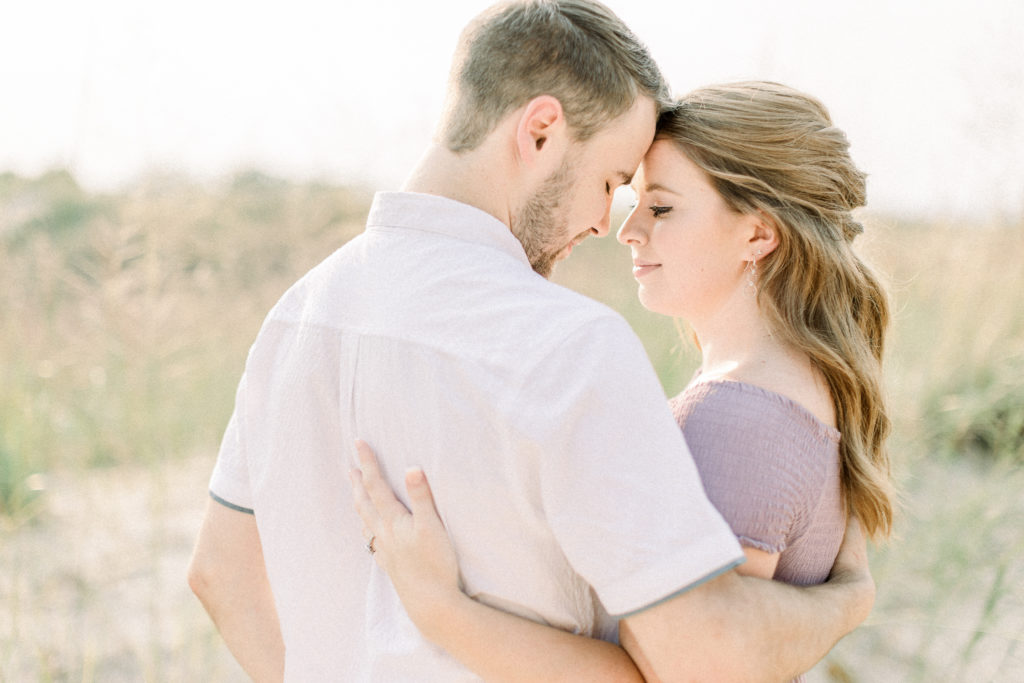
<point x="772" y="470"/>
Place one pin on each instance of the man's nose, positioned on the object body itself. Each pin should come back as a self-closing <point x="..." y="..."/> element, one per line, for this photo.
<point x="604" y="227"/>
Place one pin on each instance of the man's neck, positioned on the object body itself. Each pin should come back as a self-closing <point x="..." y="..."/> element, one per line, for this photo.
<point x="468" y="178"/>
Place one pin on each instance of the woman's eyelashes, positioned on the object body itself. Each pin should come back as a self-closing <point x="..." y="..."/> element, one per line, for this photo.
<point x="656" y="210"/>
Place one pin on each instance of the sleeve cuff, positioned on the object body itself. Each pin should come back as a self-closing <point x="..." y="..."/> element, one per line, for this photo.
<point x="713" y="575"/>
<point x="230" y="505"/>
<point x="692" y="565"/>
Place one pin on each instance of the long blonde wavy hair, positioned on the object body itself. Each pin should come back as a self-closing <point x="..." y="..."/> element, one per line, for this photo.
<point x="771" y="149"/>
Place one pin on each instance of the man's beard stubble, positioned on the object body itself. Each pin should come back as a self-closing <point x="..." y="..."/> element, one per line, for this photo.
<point x="538" y="225"/>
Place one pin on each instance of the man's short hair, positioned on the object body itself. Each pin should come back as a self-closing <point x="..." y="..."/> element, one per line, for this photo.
<point x="577" y="51"/>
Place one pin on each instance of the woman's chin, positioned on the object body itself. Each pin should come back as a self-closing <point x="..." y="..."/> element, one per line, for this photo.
<point x="656" y="305"/>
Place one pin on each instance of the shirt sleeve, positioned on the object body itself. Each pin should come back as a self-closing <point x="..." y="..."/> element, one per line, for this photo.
<point x="749" y="458"/>
<point x="619" y="487"/>
<point x="229" y="484"/>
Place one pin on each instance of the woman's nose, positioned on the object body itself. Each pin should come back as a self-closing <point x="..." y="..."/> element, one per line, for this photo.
<point x="631" y="232"/>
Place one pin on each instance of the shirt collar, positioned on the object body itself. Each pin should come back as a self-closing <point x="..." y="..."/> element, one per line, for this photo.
<point x="431" y="213"/>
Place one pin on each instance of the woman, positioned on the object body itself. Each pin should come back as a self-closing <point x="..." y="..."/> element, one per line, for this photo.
<point x="742" y="227"/>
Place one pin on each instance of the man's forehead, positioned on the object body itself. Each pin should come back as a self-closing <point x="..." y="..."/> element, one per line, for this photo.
<point x="637" y="178"/>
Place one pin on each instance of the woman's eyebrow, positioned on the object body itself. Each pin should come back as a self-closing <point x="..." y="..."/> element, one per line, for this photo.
<point x="653" y="187"/>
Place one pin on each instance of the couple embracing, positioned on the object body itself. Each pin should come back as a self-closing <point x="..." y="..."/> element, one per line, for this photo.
<point x="576" y="526"/>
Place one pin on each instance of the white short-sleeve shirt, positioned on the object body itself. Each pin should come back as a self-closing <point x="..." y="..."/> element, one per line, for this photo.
<point x="555" y="462"/>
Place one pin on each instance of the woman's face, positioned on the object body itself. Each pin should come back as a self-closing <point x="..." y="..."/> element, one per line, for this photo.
<point x="689" y="248"/>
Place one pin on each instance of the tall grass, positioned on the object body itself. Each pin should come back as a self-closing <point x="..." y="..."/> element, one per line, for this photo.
<point x="958" y="357"/>
<point x="125" y="320"/>
<point x="124" y="323"/>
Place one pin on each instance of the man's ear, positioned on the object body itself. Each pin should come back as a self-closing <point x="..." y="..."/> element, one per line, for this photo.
<point x="541" y="133"/>
<point x="764" y="235"/>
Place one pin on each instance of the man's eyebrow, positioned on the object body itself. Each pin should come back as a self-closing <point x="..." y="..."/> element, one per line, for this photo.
<point x="626" y="178"/>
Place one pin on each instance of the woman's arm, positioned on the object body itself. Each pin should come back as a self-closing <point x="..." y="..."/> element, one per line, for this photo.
<point x="499" y="646"/>
<point x="739" y="628"/>
<point x="759" y="563"/>
<point x="735" y="627"/>
<point x="413" y="548"/>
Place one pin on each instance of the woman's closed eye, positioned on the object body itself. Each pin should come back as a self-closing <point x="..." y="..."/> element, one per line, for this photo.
<point x="659" y="211"/>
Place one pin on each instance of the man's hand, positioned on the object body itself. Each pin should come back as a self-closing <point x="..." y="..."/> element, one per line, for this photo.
<point x="851" y="568"/>
<point x="781" y="630"/>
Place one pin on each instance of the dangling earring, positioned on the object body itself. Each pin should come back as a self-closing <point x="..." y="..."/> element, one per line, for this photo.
<point x="752" y="273"/>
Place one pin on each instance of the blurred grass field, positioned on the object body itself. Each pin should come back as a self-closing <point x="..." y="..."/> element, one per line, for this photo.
<point x="124" y="324"/>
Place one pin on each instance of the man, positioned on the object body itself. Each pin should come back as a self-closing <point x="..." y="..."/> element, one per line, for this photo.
<point x="561" y="476"/>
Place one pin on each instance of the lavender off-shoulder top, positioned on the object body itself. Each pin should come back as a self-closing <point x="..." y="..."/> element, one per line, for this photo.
<point x="772" y="470"/>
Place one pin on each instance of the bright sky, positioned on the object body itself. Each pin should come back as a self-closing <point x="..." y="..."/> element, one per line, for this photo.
<point x="931" y="94"/>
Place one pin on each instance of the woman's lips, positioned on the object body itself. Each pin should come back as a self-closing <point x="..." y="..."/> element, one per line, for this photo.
<point x="641" y="268"/>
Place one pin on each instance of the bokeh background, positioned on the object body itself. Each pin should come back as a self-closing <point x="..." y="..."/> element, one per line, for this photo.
<point x="349" y="92"/>
<point x="168" y="170"/>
